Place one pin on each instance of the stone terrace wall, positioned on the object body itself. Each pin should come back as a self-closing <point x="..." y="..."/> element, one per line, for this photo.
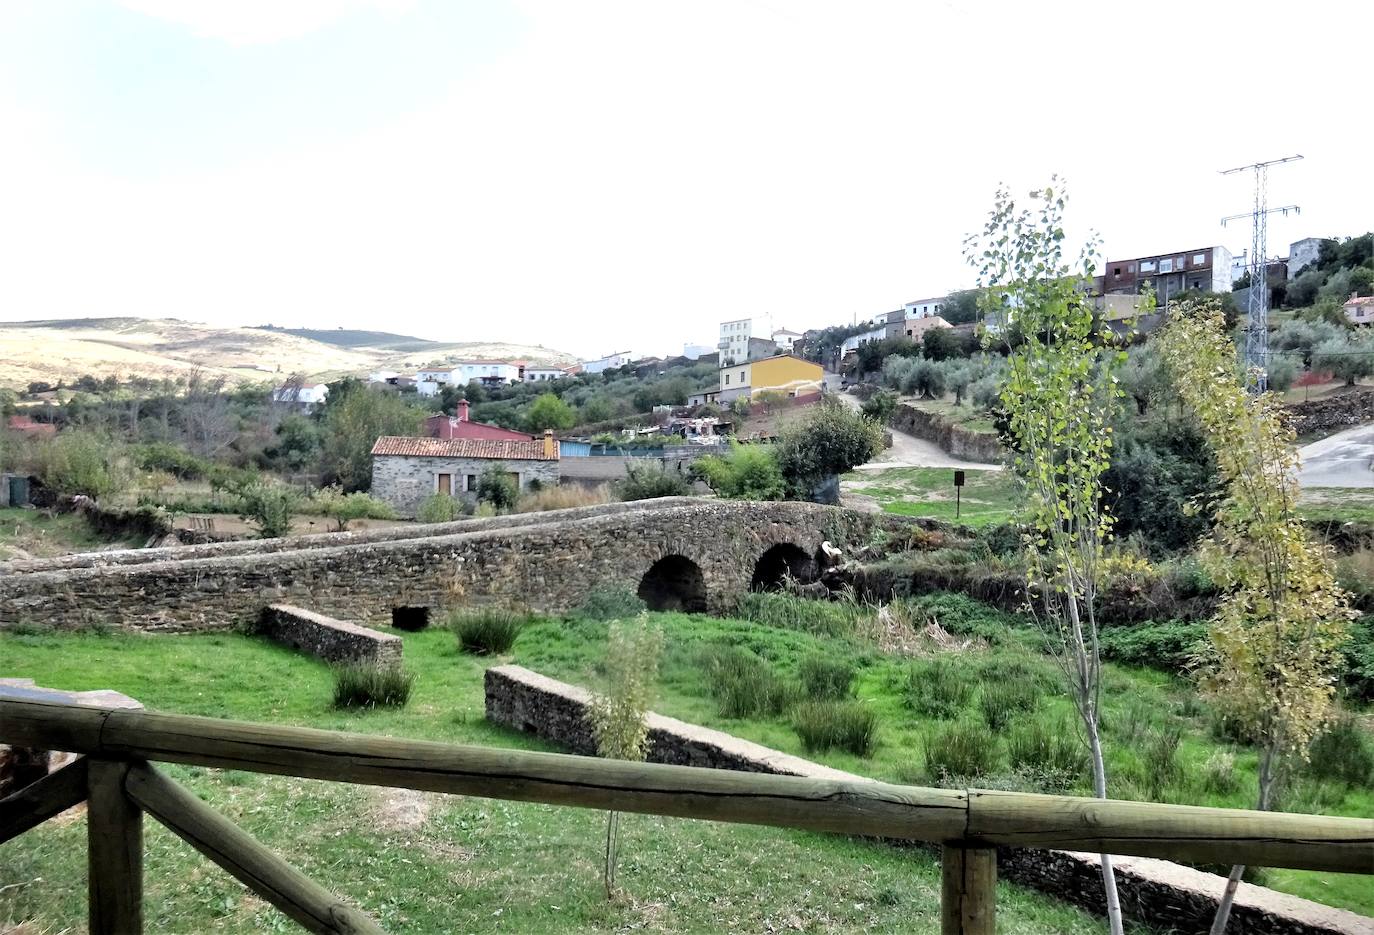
<point x="547" y="565"/>
<point x="1332" y="412"/>
<point x="1156" y="892"/>
<point x="326" y="638"/>
<point x="953" y="439"/>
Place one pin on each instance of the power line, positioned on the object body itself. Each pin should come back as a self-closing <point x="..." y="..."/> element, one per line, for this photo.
<point x="1257" y="328"/>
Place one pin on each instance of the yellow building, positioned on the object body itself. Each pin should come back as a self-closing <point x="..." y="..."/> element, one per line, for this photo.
<point x="785" y="374"/>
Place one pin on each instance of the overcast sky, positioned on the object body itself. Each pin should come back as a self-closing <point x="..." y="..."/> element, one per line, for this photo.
<point x="596" y="176"/>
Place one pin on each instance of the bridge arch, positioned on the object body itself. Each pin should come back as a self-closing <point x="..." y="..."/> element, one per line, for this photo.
<point x="674" y="582"/>
<point x="780" y="562"/>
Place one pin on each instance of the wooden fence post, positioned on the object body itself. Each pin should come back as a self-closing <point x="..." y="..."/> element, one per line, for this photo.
<point x="114" y="829"/>
<point x="968" y="890"/>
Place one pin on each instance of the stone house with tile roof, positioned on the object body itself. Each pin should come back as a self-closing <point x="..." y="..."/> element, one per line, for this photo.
<point x="407" y="470"/>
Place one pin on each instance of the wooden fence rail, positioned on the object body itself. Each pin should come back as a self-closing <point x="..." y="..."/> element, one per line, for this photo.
<point x="968" y="823"/>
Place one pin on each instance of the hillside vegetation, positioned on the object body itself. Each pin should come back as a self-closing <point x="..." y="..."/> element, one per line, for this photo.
<point x="169" y="348"/>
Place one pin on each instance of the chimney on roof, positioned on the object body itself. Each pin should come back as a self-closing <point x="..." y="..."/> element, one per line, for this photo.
<point x="463" y="410"/>
<point x="550" y="446"/>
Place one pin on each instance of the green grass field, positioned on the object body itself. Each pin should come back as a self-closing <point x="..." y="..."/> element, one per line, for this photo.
<point x="431" y="863"/>
<point x="39" y="534"/>
<point x="987" y="497"/>
<point x="427" y="863"/>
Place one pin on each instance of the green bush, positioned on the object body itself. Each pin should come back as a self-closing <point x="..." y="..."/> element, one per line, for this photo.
<point x="748" y="472"/>
<point x="962" y="615"/>
<point x="960" y="750"/>
<point x="170" y="459"/>
<point x="80" y="462"/>
<point x="497" y="487"/>
<point x="486" y="631"/>
<point x="1358" y="679"/>
<point x="1049" y="750"/>
<point x="1170" y="645"/>
<point x="439" y="508"/>
<point x="647" y="482"/>
<point x="940" y="687"/>
<point x="825" y="677"/>
<point x="836" y="723"/>
<point x="1343" y="753"/>
<point x="268" y="506"/>
<point x="1159" y="757"/>
<point x="1002" y="700"/>
<point x="744" y="685"/>
<point x="369" y="685"/>
<point x="1219" y="774"/>
<point x="609" y="603"/>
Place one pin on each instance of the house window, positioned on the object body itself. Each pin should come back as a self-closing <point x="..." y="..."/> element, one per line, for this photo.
<point x="1199" y="259"/>
<point x="1148" y="266"/>
<point x="471" y="482"/>
<point x="741" y="376"/>
<point x="1116" y="271"/>
<point x="1166" y="265"/>
<point x="727" y="379"/>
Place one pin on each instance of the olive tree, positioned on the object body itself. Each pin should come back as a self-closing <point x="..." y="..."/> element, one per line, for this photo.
<point x="1060" y="399"/>
<point x="829" y="440"/>
<point x="1276" y="638"/>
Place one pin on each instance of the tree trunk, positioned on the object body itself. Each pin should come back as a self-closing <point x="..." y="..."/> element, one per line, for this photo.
<point x="1228" y="895"/>
<point x="1100" y="790"/>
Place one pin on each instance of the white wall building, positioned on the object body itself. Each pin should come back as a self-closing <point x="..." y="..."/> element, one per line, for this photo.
<point x="609" y="362"/>
<point x="852" y="343"/>
<point x="924" y="308"/>
<point x="540" y="374"/>
<point x="305" y="395"/>
<point x="784" y="339"/>
<point x="734" y="338"/>
<point x="1301" y="253"/>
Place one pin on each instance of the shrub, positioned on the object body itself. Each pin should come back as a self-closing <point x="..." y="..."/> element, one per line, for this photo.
<point x="486" y="631"/>
<point x="369" y="685"/>
<point x="1051" y="751"/>
<point x="79" y="462"/>
<point x="745" y="685"/>
<point x="439" y="508"/>
<point x="748" y="472"/>
<point x="833" y="723"/>
<point x="1343" y="753"/>
<point x="938" y="688"/>
<point x="170" y="459"/>
<point x="268" y="506"/>
<point x="1170" y="645"/>
<point x="609" y="603"/>
<point x="1359" y="659"/>
<point x="1002" y="700"/>
<point x="827" y="441"/>
<point x="344" y="508"/>
<point x="497" y="487"/>
<point x="961" y="750"/>
<point x="647" y="482"/>
<point x="825" y="677"/>
<point x="1219" y="774"/>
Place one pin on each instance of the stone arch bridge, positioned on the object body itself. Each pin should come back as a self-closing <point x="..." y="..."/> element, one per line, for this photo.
<point x="677" y="553"/>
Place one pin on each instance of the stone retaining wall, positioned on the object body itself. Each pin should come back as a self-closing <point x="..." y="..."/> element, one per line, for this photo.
<point x="955" y="440"/>
<point x="1332" y="412"/>
<point x="327" y="638"/>
<point x="544" y="562"/>
<point x="1156" y="892"/>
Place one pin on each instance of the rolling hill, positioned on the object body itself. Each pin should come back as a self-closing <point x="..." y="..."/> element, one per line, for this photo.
<point x="167" y="347"/>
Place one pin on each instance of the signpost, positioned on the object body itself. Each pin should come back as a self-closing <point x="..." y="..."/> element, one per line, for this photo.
<point x="958" y="490"/>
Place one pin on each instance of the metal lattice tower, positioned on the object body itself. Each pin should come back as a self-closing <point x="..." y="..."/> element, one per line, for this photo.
<point x="1257" y="320"/>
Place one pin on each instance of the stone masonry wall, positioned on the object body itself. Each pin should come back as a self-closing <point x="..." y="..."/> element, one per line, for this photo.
<point x="405" y="482"/>
<point x="1157" y="892"/>
<point x="326" y="638"/>
<point x="953" y="439"/>
<point x="545" y="565"/>
<point x="1333" y="412"/>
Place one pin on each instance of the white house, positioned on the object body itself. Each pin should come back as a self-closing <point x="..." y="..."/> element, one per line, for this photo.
<point x="609" y="362"/>
<point x="491" y="372"/>
<point x="852" y="343"/>
<point x="306" y="395"/>
<point x="924" y="308"/>
<point x="540" y="374"/>
<point x="784" y="339"/>
<point x="382" y="376"/>
<point x="734" y="338"/>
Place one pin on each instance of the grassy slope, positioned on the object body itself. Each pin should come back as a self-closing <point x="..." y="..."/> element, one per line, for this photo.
<point x="473" y="865"/>
<point x="971" y="417"/>
<point x="988" y="496"/>
<point x="41" y="535"/>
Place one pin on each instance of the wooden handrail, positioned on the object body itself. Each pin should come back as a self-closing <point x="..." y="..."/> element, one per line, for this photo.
<point x="875" y="809"/>
<point x="39" y="801"/>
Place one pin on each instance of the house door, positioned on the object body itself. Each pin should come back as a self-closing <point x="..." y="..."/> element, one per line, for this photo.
<point x="446" y="484"/>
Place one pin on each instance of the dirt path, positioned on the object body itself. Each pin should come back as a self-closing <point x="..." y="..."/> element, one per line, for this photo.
<point x="910" y="451"/>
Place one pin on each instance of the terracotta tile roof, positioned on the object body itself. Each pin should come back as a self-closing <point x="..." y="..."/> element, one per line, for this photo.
<point x="496" y="448"/>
